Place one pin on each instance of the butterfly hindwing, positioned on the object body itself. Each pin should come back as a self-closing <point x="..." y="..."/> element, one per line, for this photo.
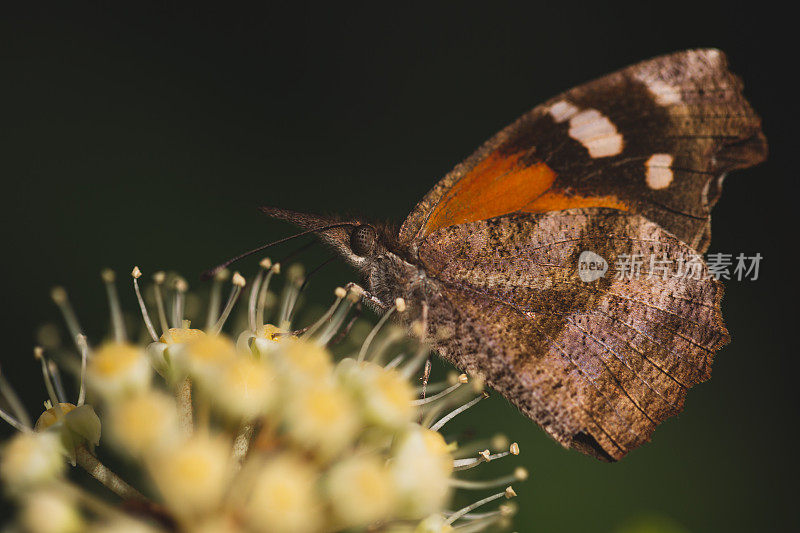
<point x="655" y="138"/>
<point x="598" y="364"/>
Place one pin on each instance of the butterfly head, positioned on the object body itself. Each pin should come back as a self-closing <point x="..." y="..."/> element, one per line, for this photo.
<point x="363" y="240"/>
<point x="369" y="247"/>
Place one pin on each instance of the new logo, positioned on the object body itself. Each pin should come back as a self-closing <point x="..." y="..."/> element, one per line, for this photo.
<point x="591" y="266"/>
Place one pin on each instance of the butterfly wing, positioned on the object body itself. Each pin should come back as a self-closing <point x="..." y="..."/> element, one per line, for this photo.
<point x="599" y="363"/>
<point x="655" y="138"/>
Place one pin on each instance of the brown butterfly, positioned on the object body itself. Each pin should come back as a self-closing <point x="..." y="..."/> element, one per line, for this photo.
<point x="625" y="166"/>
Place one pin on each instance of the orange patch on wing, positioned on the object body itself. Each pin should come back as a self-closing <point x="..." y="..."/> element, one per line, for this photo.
<point x="500" y="185"/>
<point x="557" y="201"/>
<point x="496" y="186"/>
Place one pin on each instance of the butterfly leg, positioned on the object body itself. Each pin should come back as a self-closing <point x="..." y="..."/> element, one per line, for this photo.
<point x="426" y="373"/>
<point x="366" y="295"/>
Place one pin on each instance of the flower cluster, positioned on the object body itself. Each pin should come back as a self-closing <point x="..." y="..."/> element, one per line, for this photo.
<point x="264" y="431"/>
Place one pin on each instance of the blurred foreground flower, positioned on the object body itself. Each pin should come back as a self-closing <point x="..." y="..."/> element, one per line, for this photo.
<point x="265" y="431"/>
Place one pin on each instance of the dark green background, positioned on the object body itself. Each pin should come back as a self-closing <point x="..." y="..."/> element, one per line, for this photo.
<point x="149" y="135"/>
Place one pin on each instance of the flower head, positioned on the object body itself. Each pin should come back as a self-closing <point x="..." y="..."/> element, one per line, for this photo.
<point x="51" y="511"/>
<point x="263" y="430"/>
<point x="192" y="475"/>
<point x="31" y="460"/>
<point x="116" y="369"/>
<point x="283" y="495"/>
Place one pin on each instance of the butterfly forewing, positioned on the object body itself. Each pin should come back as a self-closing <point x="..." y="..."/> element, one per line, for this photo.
<point x="654" y="138"/>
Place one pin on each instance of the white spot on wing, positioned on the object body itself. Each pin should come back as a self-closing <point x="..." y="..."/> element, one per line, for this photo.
<point x="562" y="110"/>
<point x="659" y="174"/>
<point x="664" y="93"/>
<point x="596" y="133"/>
<point x="704" y="194"/>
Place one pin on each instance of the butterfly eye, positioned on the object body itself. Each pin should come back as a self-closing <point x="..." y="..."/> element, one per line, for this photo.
<point x="363" y="240"/>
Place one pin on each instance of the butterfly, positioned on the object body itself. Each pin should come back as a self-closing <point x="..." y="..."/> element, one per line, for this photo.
<point x="514" y="259"/>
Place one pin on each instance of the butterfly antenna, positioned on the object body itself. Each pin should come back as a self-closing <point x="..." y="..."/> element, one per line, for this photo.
<point x="315" y="270"/>
<point x="297" y="251"/>
<point x="307" y="278"/>
<point x="210" y="273"/>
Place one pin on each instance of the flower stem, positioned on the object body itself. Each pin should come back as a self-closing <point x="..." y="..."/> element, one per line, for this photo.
<point x="184" y="396"/>
<point x="109" y="479"/>
<point x="241" y="443"/>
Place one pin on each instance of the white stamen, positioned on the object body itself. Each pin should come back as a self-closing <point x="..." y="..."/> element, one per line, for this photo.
<point x="520" y="474"/>
<point x="13" y="422"/>
<point x="113" y="303"/>
<point x="136" y="274"/>
<point x="263" y="292"/>
<point x="290" y="293"/>
<point x="55" y="375"/>
<point x="429" y="399"/>
<point x="38" y="353"/>
<point x="335" y="323"/>
<point x="59" y="296"/>
<point x="158" y="279"/>
<point x="253" y="300"/>
<point x="238" y="283"/>
<point x="324" y="318"/>
<point x="368" y="341"/>
<point x="394" y="362"/>
<point x="452" y="414"/>
<point x="22" y="422"/>
<point x="461" y="512"/>
<point x="434" y="387"/>
<point x="84" y="348"/>
<point x="500" y="455"/>
<point x="215" y="298"/>
<point x="476" y="524"/>
<point x="178" y="301"/>
<point x="379" y="353"/>
<point x="497" y="442"/>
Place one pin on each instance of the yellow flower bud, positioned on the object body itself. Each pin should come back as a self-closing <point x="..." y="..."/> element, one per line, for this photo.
<point x="421" y="470"/>
<point x="321" y="417"/>
<point x="360" y="490"/>
<point x="31" y="459"/>
<point x="117" y="369"/>
<point x="192" y="476"/>
<point x="50" y="417"/>
<point x="302" y="361"/>
<point x="385" y="395"/>
<point x="145" y="423"/>
<point x="283" y="497"/>
<point x="181" y="335"/>
<point x="50" y="511"/>
<point x="243" y="388"/>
